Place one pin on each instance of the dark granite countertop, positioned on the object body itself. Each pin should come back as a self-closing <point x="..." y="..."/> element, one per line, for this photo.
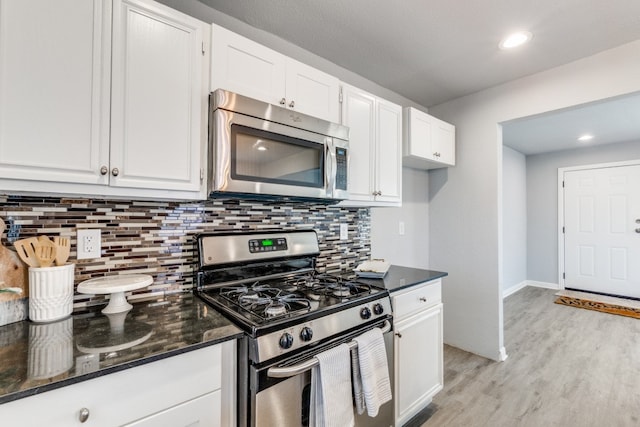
<point x="398" y="277"/>
<point x="37" y="357"/>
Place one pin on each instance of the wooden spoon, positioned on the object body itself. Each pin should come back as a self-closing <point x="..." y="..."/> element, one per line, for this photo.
<point x="26" y="249"/>
<point x="62" y="249"/>
<point x="45" y="252"/>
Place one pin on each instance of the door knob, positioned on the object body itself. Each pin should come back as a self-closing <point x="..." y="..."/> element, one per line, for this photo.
<point x="104" y="170"/>
<point x="115" y="171"/>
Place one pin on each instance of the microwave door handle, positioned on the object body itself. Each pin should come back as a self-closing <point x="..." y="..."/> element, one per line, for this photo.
<point x="330" y="174"/>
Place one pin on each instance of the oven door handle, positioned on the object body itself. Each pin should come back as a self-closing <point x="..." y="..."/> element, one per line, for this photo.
<point x="290" y="371"/>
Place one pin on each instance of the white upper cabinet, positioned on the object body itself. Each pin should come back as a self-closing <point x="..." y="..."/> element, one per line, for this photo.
<point x="102" y="98"/>
<point x="375" y="137"/>
<point x="429" y="142"/>
<point x="156" y="104"/>
<point x="54" y="90"/>
<point x="243" y="66"/>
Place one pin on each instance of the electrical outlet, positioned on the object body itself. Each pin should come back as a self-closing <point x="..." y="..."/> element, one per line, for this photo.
<point x="344" y="231"/>
<point x="401" y="228"/>
<point x="88" y="243"/>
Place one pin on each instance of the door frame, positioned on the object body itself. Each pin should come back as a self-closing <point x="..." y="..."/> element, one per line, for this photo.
<point x="561" y="171"/>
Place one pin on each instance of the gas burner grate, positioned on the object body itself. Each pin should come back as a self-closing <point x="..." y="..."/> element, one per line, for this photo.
<point x="266" y="302"/>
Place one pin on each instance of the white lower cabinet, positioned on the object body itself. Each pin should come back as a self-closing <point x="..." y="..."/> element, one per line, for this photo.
<point x="190" y="389"/>
<point x="418" y="347"/>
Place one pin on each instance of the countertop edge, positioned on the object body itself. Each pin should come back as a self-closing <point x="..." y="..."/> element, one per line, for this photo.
<point x="116" y="368"/>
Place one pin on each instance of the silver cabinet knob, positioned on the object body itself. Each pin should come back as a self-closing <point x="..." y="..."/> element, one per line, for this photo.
<point x="84" y="415"/>
<point x="104" y="170"/>
<point x="637" y="230"/>
<point x="436" y="154"/>
<point x="283" y="101"/>
<point x="292" y="104"/>
<point x="115" y="171"/>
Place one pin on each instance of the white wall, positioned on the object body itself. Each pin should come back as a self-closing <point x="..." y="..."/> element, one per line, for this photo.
<point x="542" y="199"/>
<point x="465" y="212"/>
<point x="412" y="248"/>
<point x="514" y="218"/>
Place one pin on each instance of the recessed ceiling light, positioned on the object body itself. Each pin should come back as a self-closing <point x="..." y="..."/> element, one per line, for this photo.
<point x="586" y="137"/>
<point x="515" y="40"/>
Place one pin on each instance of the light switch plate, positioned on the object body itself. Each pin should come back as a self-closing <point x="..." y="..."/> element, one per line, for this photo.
<point x="89" y="243"/>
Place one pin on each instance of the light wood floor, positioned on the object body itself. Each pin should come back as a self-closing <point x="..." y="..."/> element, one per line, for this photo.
<point x="566" y="367"/>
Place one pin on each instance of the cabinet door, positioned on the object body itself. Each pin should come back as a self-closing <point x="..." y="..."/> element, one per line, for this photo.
<point x="201" y="412"/>
<point x="243" y="66"/>
<point x="358" y="113"/>
<point x="443" y="142"/>
<point x="54" y="90"/>
<point x="157" y="97"/>
<point x="312" y="92"/>
<point x="389" y="149"/>
<point x="418" y="143"/>
<point x="418" y="361"/>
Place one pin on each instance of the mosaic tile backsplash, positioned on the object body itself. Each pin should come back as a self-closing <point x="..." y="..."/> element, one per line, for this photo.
<point x="157" y="238"/>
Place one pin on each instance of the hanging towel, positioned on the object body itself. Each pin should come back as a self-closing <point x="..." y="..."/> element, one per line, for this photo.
<point x="331" y="403"/>
<point x="374" y="371"/>
<point x="356" y="380"/>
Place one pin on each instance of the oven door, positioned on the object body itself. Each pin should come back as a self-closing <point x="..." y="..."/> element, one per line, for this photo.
<point x="284" y="402"/>
<point x="253" y="156"/>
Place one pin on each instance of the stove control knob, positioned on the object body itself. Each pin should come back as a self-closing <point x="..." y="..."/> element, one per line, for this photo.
<point x="306" y="334"/>
<point x="378" y="309"/>
<point x="365" y="313"/>
<point x="286" y="340"/>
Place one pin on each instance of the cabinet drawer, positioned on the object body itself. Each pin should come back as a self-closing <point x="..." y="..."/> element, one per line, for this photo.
<point x="419" y="297"/>
<point x="118" y="398"/>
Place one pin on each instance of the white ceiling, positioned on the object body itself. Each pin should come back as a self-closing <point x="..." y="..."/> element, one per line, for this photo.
<point x="432" y="51"/>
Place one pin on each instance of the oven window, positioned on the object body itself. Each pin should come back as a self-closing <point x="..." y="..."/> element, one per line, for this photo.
<point x="263" y="156"/>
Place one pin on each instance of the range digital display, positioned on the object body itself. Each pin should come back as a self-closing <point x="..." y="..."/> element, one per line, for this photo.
<point x="268" y="245"/>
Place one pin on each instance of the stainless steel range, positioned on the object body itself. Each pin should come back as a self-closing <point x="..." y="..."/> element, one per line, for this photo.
<point x="266" y="282"/>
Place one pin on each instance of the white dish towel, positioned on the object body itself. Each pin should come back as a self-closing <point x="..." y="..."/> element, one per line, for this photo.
<point x="331" y="402"/>
<point x="371" y="385"/>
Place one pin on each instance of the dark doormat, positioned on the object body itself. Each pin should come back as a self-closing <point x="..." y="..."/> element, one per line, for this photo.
<point x="605" y="307"/>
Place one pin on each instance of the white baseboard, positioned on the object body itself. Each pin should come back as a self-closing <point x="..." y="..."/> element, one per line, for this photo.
<point x="503" y="354"/>
<point x="513" y="289"/>
<point x="543" y="284"/>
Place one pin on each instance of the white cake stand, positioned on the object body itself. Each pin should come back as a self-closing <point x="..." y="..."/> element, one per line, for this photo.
<point x="116" y="286"/>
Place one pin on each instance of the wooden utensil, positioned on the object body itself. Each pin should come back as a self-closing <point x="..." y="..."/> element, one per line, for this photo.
<point x="45" y="252"/>
<point x="26" y="249"/>
<point x="63" y="247"/>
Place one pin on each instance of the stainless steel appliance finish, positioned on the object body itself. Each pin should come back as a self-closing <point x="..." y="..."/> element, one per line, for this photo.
<point x="261" y="150"/>
<point x="267" y="284"/>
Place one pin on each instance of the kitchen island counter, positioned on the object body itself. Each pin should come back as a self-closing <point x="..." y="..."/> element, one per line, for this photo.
<point x="38" y="357"/>
<point x="398" y="278"/>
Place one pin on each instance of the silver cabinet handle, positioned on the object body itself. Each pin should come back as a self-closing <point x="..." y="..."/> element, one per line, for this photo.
<point x="292" y="104"/>
<point x="283" y="101"/>
<point x="115" y="171"/>
<point x="84" y="415"/>
<point x="436" y="154"/>
<point x="398" y="334"/>
<point x="637" y="230"/>
<point x="423" y="299"/>
<point x="104" y="170"/>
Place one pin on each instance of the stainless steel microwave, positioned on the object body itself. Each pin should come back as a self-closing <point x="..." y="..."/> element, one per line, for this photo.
<point x="259" y="150"/>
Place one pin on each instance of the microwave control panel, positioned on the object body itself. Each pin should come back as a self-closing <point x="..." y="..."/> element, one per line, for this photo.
<point x="341" y="172"/>
<point x="268" y="245"/>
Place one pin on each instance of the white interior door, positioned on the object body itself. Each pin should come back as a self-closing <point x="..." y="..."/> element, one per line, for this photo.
<point x="602" y="230"/>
